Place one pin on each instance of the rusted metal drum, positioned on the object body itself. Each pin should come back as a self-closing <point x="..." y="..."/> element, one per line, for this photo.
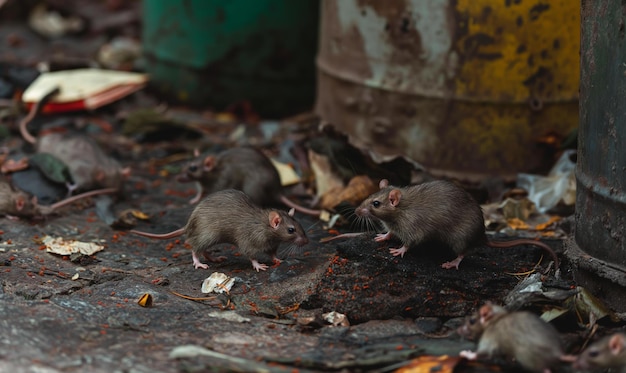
<point x="464" y="87"/>
<point x="601" y="166"/>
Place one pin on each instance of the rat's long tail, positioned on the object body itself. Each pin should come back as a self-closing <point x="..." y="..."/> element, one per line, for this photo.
<point x="525" y="241"/>
<point x="299" y="208"/>
<point x="163" y="236"/>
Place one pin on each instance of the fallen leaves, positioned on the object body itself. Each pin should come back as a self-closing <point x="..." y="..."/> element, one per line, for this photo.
<point x="62" y="246"/>
<point x="428" y="364"/>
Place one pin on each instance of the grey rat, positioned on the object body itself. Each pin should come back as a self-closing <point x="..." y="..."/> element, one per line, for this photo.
<point x="18" y="204"/>
<point x="521" y="335"/>
<point x="230" y="216"/>
<point x="245" y="169"/>
<point x="88" y="165"/>
<point x="437" y="210"/>
<point x="608" y="352"/>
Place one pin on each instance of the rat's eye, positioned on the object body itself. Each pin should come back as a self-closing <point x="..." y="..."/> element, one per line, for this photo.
<point x="193" y="168"/>
<point x="594" y="353"/>
<point x="291" y="230"/>
<point x="376" y="204"/>
<point x="472" y="321"/>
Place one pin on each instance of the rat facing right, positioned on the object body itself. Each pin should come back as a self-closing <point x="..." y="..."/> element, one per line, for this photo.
<point x="437" y="210"/>
<point x="230" y="216"/>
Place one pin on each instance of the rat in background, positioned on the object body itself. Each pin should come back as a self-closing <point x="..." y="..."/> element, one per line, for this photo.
<point x="230" y="216"/>
<point x="246" y="169"/>
<point x="437" y="210"/>
<point x="608" y="352"/>
<point x="521" y="335"/>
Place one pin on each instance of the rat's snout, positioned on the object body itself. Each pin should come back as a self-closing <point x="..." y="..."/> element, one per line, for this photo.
<point x="580" y="364"/>
<point x="362" y="211"/>
<point x="463" y="331"/>
<point x="183" y="178"/>
<point x="301" y="241"/>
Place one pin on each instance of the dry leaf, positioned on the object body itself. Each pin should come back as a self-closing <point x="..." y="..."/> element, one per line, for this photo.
<point x="544" y="226"/>
<point x="517" y="224"/>
<point x="139" y="215"/>
<point x="287" y="174"/>
<point x="517" y="208"/>
<point x="12" y="165"/>
<point x="145" y="300"/>
<point x="67" y="247"/>
<point x="336" y="319"/>
<point x="358" y="189"/>
<point x="325" y="178"/>
<point x="428" y="364"/>
<point x="225" y="117"/>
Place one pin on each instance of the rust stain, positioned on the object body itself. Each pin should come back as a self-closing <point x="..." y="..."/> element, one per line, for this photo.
<point x="512" y="54"/>
<point x="463" y="87"/>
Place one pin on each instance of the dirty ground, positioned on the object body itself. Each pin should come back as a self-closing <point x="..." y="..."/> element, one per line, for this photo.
<point x="76" y="316"/>
<point x="66" y="314"/>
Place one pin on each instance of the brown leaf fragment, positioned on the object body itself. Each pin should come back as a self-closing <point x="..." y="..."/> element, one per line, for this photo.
<point x="427" y="364"/>
<point x="358" y="189"/>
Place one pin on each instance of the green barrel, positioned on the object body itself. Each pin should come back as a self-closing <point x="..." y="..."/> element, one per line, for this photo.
<point x="215" y="53"/>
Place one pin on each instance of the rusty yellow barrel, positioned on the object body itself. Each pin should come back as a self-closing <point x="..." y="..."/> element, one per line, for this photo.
<point x="467" y="88"/>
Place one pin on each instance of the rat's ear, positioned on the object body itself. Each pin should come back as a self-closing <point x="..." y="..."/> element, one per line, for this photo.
<point x="209" y="162"/>
<point x="126" y="171"/>
<point x="394" y="197"/>
<point x="275" y="219"/>
<point x="383" y="184"/>
<point x="616" y="344"/>
<point x="485" y="312"/>
<point x="291" y="212"/>
<point x="19" y="203"/>
<point x="196" y="152"/>
<point x="99" y="176"/>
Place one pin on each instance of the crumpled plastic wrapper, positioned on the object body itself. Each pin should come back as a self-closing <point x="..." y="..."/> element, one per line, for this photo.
<point x="560" y="184"/>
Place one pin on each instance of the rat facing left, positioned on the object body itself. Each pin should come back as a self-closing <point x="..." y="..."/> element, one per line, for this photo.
<point x="437" y="210"/>
<point x="608" y="352"/>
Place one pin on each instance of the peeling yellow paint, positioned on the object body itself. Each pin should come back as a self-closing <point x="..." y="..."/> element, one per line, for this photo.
<point x="526" y="36"/>
<point x="464" y="87"/>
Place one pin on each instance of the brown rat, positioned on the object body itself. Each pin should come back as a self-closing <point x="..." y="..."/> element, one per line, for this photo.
<point x="245" y="169"/>
<point x="474" y="324"/>
<point x="437" y="210"/>
<point x="15" y="203"/>
<point x="87" y="163"/>
<point x="230" y="216"/>
<point x="608" y="352"/>
<point x="523" y="336"/>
